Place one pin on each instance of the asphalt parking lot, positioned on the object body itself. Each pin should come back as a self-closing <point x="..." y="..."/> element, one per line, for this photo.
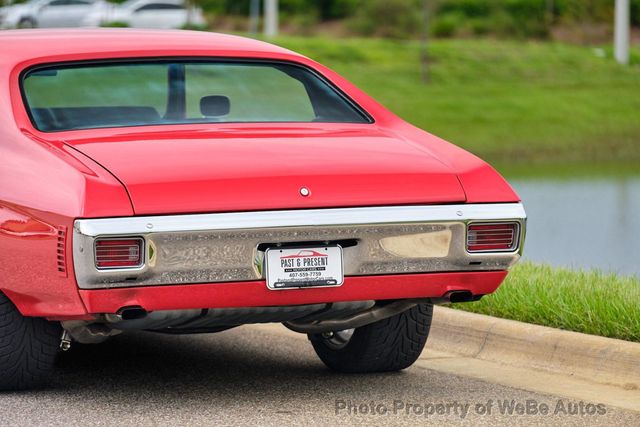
<point x="251" y="375"/>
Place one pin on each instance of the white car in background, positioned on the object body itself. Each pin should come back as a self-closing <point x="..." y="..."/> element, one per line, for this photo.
<point x="148" y="14"/>
<point x="95" y="13"/>
<point x="50" y="13"/>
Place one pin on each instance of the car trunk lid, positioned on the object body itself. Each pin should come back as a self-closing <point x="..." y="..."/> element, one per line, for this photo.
<point x="264" y="169"/>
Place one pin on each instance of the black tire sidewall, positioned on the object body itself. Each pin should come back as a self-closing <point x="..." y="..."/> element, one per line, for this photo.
<point x="390" y="344"/>
<point x="29" y="348"/>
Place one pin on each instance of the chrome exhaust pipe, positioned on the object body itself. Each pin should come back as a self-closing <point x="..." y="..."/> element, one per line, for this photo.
<point x="132" y="313"/>
<point x="453" y="297"/>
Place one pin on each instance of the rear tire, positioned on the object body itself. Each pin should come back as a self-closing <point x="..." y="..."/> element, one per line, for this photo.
<point x="28" y="348"/>
<point x="390" y="344"/>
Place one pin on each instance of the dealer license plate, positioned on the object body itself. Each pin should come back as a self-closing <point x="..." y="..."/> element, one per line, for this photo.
<point x="304" y="267"/>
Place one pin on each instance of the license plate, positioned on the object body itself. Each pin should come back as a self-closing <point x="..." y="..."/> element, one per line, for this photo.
<point x="304" y="267"/>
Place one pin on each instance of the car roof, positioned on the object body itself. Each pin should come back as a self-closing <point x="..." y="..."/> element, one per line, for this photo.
<point x="24" y="45"/>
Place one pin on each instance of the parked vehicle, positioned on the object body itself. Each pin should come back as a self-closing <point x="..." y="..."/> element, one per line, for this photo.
<point x="50" y="13"/>
<point x="148" y="14"/>
<point x="96" y="13"/>
<point x="189" y="182"/>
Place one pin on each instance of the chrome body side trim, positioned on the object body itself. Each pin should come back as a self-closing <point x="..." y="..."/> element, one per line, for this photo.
<point x="225" y="247"/>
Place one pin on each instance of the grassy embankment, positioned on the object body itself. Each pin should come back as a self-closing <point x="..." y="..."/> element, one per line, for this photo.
<point x="589" y="302"/>
<point x="525" y="106"/>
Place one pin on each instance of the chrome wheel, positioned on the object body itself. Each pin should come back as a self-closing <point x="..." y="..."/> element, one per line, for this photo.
<point x="338" y="339"/>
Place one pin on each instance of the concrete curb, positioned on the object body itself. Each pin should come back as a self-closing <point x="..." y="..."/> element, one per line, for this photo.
<point x="601" y="360"/>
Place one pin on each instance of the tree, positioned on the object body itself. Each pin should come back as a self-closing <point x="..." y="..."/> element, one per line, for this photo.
<point x="424" y="39"/>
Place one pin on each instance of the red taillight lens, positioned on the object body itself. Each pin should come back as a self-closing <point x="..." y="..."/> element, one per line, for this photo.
<point x="498" y="237"/>
<point x="119" y="253"/>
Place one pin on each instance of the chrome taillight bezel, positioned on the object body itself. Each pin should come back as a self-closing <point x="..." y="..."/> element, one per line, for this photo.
<point x="515" y="245"/>
<point x="142" y="253"/>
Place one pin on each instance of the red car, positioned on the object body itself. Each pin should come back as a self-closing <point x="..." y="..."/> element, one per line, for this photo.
<point x="186" y="182"/>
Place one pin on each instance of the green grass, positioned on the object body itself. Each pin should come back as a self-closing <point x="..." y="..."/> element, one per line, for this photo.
<point x="589" y="302"/>
<point x="513" y="103"/>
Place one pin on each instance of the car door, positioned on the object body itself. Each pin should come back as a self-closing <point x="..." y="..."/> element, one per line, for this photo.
<point x="64" y="13"/>
<point x="159" y="15"/>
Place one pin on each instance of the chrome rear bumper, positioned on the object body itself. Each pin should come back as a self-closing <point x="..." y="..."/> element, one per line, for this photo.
<point x="229" y="247"/>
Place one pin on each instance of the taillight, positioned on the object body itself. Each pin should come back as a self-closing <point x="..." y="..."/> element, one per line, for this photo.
<point x="495" y="237"/>
<point x="119" y="253"/>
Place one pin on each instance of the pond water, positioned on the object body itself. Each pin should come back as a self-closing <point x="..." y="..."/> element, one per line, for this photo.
<point x="592" y="223"/>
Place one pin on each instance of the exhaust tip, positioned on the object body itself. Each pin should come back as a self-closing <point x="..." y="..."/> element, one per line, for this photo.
<point x="456" y="297"/>
<point x="132" y="313"/>
<point x="460" y="296"/>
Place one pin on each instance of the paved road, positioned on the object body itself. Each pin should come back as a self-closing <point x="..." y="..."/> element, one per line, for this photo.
<point x="252" y="376"/>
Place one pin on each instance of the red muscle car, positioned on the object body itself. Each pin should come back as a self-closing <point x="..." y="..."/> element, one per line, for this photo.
<point x="187" y="182"/>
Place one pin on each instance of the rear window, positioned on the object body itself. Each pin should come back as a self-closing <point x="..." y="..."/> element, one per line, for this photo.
<point x="179" y="92"/>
